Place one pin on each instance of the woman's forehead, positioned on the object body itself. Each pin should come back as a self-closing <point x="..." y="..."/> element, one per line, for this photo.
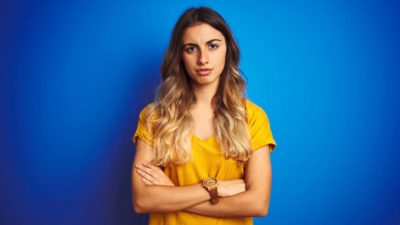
<point x="201" y="33"/>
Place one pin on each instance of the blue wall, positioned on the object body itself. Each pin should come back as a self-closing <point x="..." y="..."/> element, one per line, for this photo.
<point x="75" y="75"/>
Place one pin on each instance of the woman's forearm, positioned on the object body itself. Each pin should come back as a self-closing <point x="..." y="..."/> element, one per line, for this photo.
<point x="157" y="193"/>
<point x="254" y="201"/>
<point x="247" y="203"/>
<point x="168" y="198"/>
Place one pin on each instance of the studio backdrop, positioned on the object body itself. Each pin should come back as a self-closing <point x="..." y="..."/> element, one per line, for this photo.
<point x="75" y="74"/>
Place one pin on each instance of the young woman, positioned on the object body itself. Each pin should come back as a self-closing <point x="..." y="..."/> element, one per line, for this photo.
<point x="202" y="149"/>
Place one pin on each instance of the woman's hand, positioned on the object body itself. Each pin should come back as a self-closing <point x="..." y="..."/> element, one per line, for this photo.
<point x="228" y="188"/>
<point x="152" y="175"/>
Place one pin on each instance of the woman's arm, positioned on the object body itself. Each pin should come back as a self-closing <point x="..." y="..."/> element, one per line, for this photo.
<point x="155" y="198"/>
<point x="254" y="201"/>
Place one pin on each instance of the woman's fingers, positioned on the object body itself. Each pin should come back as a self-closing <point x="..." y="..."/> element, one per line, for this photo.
<point x="156" y="173"/>
<point x="154" y="169"/>
<point x="146" y="182"/>
<point x="228" y="188"/>
<point x="238" y="181"/>
<point x="147" y="173"/>
<point x="146" y="176"/>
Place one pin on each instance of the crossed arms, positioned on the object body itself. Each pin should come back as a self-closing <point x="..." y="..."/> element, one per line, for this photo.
<point x="154" y="192"/>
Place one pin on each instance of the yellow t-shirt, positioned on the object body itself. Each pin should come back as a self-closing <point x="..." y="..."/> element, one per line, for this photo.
<point x="208" y="161"/>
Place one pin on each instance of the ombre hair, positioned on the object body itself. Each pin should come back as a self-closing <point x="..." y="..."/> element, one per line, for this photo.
<point x="169" y="118"/>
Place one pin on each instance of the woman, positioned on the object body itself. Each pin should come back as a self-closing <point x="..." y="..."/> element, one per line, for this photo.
<point x="202" y="149"/>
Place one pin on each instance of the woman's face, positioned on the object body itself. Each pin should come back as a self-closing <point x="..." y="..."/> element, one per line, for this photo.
<point x="204" y="52"/>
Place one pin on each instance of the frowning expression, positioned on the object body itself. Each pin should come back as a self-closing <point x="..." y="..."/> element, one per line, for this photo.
<point x="204" y="53"/>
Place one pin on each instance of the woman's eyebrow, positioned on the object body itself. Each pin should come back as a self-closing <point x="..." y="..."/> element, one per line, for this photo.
<point x="208" y="42"/>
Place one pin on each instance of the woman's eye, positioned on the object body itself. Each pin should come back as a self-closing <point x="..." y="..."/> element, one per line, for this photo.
<point x="213" y="46"/>
<point x="190" y="49"/>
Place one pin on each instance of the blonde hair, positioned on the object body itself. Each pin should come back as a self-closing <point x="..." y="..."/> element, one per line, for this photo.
<point x="169" y="118"/>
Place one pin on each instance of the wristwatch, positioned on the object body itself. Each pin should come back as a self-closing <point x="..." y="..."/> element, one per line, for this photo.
<point x="210" y="184"/>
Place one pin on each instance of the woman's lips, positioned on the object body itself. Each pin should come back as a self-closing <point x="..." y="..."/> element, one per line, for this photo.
<point x="203" y="72"/>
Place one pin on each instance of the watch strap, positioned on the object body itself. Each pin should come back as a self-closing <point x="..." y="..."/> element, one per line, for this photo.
<point x="214" y="196"/>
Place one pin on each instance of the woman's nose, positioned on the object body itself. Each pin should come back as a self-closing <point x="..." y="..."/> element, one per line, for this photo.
<point x="203" y="57"/>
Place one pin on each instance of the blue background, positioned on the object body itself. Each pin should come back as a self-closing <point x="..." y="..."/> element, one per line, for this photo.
<point x="74" y="76"/>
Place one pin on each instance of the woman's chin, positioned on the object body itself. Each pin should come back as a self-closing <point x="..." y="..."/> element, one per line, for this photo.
<point x="205" y="80"/>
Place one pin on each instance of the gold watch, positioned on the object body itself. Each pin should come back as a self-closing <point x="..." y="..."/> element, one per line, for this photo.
<point x="210" y="184"/>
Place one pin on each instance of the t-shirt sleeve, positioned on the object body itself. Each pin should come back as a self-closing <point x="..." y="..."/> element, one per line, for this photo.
<point x="143" y="130"/>
<point x="260" y="131"/>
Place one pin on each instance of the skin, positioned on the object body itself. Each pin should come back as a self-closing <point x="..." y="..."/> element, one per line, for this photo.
<point x="203" y="48"/>
<point x="153" y="191"/>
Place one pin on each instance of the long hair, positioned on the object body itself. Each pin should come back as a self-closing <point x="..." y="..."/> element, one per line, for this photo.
<point x="173" y="126"/>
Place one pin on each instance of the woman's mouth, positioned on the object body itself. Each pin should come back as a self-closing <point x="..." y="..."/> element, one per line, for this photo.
<point x="203" y="71"/>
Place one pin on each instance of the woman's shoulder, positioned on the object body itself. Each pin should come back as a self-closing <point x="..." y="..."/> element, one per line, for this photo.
<point x="252" y="107"/>
<point x="254" y="111"/>
<point x="148" y="108"/>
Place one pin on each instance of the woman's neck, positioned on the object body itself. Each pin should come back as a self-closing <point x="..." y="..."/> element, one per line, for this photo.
<point x="204" y="94"/>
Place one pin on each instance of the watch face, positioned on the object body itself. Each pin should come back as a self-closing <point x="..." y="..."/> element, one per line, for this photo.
<point x="210" y="182"/>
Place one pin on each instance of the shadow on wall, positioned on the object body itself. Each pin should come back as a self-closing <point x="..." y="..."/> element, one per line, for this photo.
<point x="144" y="81"/>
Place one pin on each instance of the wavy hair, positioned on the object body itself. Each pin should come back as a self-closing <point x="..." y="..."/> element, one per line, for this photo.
<point x="173" y="126"/>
